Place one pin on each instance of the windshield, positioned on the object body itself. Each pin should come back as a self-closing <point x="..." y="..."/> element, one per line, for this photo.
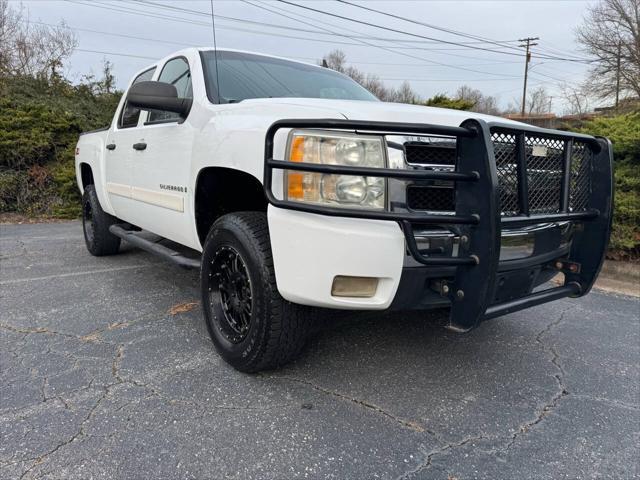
<point x="243" y="76"/>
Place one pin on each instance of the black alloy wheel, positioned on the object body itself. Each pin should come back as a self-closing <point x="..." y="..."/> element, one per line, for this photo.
<point x="87" y="221"/>
<point x="230" y="285"/>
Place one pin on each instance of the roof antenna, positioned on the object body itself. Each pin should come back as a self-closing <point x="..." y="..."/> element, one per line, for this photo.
<point x="215" y="52"/>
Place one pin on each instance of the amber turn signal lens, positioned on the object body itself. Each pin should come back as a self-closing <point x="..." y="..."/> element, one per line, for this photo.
<point x="344" y="286"/>
<point x="295" y="190"/>
<point x="297" y="150"/>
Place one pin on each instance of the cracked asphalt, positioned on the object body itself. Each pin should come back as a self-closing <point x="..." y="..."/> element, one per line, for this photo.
<point x="107" y="372"/>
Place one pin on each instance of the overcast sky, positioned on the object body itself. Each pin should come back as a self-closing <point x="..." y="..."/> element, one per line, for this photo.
<point x="429" y="66"/>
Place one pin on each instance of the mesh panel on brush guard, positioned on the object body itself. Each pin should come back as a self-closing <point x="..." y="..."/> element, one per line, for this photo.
<point x="433" y="199"/>
<point x="504" y="147"/>
<point x="440" y="153"/>
<point x="544" y="160"/>
<point x="580" y="183"/>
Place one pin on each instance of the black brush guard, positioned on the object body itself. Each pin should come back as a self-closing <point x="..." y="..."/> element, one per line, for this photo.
<point x="477" y="219"/>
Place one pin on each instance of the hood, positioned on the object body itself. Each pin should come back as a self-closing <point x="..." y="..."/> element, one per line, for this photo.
<point x="383" y="111"/>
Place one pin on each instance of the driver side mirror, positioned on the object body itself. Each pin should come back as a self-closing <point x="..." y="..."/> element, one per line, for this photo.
<point x="151" y="95"/>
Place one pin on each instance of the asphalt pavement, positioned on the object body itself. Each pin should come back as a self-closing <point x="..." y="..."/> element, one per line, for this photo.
<point x="107" y="371"/>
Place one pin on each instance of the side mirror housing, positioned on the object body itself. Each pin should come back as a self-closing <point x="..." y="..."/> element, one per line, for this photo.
<point x="158" y="96"/>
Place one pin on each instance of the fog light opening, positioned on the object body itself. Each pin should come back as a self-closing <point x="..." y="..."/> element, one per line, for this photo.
<point x="362" y="287"/>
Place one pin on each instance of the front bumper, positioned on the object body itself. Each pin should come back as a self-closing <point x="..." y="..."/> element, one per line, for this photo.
<point x="309" y="250"/>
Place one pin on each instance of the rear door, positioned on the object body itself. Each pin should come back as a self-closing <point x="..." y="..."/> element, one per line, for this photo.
<point x="161" y="170"/>
<point x="118" y="167"/>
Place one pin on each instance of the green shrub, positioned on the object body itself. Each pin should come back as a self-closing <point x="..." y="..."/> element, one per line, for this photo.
<point x="442" y="101"/>
<point x="68" y="195"/>
<point x="40" y="121"/>
<point x="11" y="184"/>
<point x="26" y="191"/>
<point x="625" y="238"/>
<point x="31" y="133"/>
<point x="624" y="133"/>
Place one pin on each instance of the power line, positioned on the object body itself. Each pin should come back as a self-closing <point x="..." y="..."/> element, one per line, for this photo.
<point x="285" y="27"/>
<point x="435" y="27"/>
<point x="554" y="51"/>
<point x="78" y="29"/>
<point x="96" y="4"/>
<point x="146" y="13"/>
<point x="404" y="33"/>
<point x="463" y="34"/>
<point x="377" y="46"/>
<point x="333" y="33"/>
<point x="541" y="74"/>
<point x="409" y="79"/>
<point x="398" y="44"/>
<point x="420" y="65"/>
<point x="115" y="53"/>
<point x="313" y="59"/>
<point x="394" y="30"/>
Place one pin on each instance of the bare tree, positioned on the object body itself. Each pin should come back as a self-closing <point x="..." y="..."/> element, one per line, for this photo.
<point x="405" y="94"/>
<point x="29" y="49"/>
<point x="101" y="86"/>
<point x="481" y="103"/>
<point x="371" y="83"/>
<point x="576" y="98"/>
<point x="337" y="60"/>
<point x="611" y="35"/>
<point x="538" y="102"/>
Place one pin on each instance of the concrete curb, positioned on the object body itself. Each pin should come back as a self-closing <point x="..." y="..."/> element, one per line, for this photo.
<point x="620" y="277"/>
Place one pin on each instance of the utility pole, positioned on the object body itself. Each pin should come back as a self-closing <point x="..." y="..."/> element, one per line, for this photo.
<point x="618" y="74"/>
<point x="528" y="44"/>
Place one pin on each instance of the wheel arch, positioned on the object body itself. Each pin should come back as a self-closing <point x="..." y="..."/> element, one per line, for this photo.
<point x="86" y="175"/>
<point x="222" y="190"/>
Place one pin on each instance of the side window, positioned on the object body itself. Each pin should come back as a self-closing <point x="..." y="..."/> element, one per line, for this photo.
<point x="177" y="73"/>
<point x="130" y="115"/>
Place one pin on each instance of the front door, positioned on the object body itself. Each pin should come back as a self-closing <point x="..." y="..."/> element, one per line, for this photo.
<point x="161" y="164"/>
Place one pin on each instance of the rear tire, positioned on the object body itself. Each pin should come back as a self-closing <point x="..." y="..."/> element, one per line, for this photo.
<point x="95" y="225"/>
<point x="251" y="325"/>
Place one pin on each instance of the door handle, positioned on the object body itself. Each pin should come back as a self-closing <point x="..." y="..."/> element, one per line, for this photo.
<point x="111" y="146"/>
<point x="139" y="146"/>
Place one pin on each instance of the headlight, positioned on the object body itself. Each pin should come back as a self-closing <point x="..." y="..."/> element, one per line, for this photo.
<point x="336" y="190"/>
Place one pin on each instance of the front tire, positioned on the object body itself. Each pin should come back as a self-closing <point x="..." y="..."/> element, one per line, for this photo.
<point x="95" y="225"/>
<point x="251" y="325"/>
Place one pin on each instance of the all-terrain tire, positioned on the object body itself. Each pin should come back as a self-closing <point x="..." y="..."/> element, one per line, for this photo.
<point x="276" y="330"/>
<point x="95" y="225"/>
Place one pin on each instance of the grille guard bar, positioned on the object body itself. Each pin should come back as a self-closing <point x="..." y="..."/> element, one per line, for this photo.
<point x="477" y="217"/>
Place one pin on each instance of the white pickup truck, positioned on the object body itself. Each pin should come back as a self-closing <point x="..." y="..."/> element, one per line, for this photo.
<point x="296" y="188"/>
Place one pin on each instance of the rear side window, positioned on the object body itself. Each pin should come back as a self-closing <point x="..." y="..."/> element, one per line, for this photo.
<point x="177" y="73"/>
<point x="130" y="115"/>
